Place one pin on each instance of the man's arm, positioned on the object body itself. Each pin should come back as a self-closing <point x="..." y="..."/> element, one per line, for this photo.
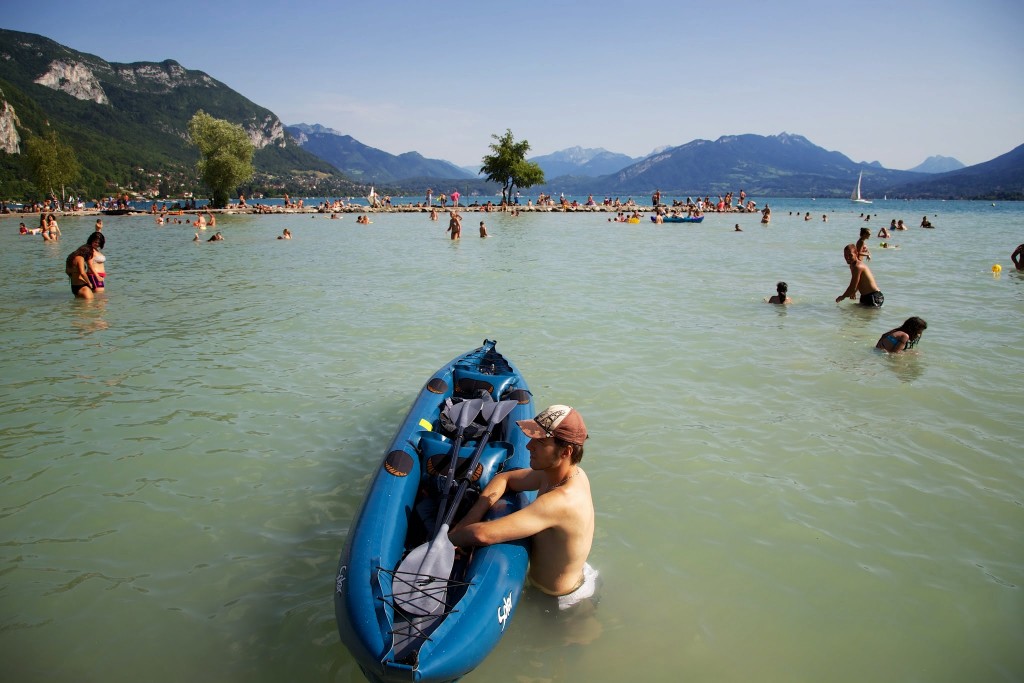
<point x="516" y="480"/>
<point x="851" y="291"/>
<point x="1018" y="257"/>
<point x="539" y="515"/>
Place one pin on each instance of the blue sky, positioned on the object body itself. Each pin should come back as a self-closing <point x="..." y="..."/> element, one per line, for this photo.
<point x="893" y="82"/>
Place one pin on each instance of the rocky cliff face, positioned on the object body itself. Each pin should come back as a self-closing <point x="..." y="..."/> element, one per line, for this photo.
<point x="80" y="80"/>
<point x="75" y="79"/>
<point x="10" y="141"/>
<point x="163" y="77"/>
<point x="269" y="132"/>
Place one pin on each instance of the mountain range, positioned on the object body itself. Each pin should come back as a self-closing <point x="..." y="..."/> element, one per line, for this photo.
<point x="938" y="164"/>
<point x="578" y="161"/>
<point x="128" y="126"/>
<point x="366" y="164"/>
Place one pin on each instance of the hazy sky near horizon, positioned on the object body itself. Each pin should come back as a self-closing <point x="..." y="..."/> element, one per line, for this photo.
<point x="893" y="82"/>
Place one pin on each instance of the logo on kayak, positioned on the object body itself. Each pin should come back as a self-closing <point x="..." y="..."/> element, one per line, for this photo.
<point x="339" y="585"/>
<point x="505" y="611"/>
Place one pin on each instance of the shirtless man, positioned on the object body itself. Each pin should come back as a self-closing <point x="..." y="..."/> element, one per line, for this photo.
<point x="560" y="522"/>
<point x="861" y="280"/>
<point x="1018" y="257"/>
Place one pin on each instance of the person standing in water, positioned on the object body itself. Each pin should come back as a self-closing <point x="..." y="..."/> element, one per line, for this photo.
<point x="862" y="244"/>
<point x="76" y="266"/>
<point x="861" y="280"/>
<point x="559" y="522"/>
<point x="98" y="262"/>
<point x="454" y="225"/>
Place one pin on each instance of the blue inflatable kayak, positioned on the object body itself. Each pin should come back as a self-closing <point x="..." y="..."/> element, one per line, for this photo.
<point x="681" y="219"/>
<point x="408" y="608"/>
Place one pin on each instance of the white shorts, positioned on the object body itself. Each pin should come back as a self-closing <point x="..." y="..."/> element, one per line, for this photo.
<point x="584" y="592"/>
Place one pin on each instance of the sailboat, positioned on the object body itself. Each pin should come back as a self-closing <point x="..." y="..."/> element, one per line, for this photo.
<point x="855" y="197"/>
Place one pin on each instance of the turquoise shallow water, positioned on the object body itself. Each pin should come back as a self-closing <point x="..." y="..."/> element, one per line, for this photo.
<point x="777" y="501"/>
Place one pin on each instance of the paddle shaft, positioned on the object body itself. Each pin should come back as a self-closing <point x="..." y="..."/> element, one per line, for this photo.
<point x="467" y="411"/>
<point x="500" y="411"/>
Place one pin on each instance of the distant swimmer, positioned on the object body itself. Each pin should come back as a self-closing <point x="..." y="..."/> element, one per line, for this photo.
<point x="286" y="234"/>
<point x="766" y="215"/>
<point x="782" y="294"/>
<point x="904" y="337"/>
<point x="483" y="229"/>
<point x="925" y="223"/>
<point x="737" y="228"/>
<point x="883" y="233"/>
<point x="861" y="280"/>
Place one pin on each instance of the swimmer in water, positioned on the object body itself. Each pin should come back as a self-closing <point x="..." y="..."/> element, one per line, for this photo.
<point x="781" y="296"/>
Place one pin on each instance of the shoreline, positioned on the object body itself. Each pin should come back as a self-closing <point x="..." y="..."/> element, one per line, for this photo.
<point x="403" y="208"/>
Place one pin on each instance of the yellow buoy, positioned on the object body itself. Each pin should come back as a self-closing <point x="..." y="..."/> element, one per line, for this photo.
<point x="997" y="268"/>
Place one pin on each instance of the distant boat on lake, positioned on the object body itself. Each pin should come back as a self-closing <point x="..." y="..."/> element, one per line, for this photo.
<point x="855" y="197"/>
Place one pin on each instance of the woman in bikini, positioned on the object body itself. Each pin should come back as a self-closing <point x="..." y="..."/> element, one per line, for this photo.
<point x="77" y="268"/>
<point x="52" y="229"/>
<point x="98" y="262"/>
<point x="903" y="337"/>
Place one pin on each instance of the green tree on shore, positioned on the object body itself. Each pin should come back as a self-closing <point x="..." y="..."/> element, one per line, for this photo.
<point x="226" y="151"/>
<point x="51" y="163"/>
<point x="508" y="165"/>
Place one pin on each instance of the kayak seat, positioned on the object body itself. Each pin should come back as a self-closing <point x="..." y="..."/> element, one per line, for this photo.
<point x="436" y="455"/>
<point x="469" y="383"/>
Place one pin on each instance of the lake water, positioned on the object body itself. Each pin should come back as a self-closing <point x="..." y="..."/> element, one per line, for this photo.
<point x="777" y="501"/>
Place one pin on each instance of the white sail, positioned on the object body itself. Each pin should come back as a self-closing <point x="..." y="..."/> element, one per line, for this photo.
<point x="856" y="192"/>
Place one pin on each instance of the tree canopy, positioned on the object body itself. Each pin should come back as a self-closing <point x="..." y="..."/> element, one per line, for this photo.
<point x="227" y="152"/>
<point x="508" y="165"/>
<point x="52" y="163"/>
